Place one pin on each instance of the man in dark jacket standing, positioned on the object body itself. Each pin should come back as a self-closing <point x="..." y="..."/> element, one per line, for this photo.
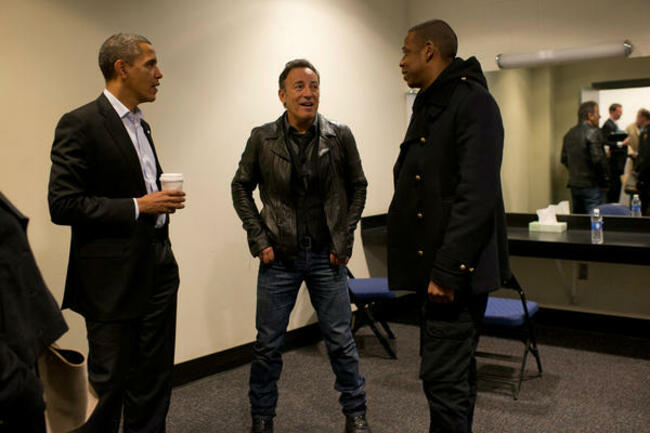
<point x="446" y="222"/>
<point x="582" y="154"/>
<point x="617" y="152"/>
<point x="30" y="320"/>
<point x="313" y="190"/>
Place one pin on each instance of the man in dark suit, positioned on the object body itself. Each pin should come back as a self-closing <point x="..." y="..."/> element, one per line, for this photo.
<point x="446" y="222"/>
<point x="122" y="275"/>
<point x="30" y="320"/>
<point x="617" y="154"/>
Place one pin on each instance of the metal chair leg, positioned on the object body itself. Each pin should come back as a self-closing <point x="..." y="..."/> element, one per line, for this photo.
<point x="384" y="342"/>
<point x="517" y="387"/>
<point x="533" y="345"/>
<point x="387" y="329"/>
<point x="358" y="320"/>
<point x="535" y="353"/>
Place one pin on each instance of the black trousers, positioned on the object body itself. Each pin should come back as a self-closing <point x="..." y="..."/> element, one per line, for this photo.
<point x="25" y="412"/>
<point x="449" y="336"/>
<point x="24" y="418"/>
<point x="24" y="423"/>
<point x="614" y="191"/>
<point x="130" y="362"/>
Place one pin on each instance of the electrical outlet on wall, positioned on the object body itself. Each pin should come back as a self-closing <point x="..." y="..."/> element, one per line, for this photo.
<point x="583" y="271"/>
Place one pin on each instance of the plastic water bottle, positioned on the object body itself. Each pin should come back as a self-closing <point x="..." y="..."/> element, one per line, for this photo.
<point x="596" y="227"/>
<point x="636" y="205"/>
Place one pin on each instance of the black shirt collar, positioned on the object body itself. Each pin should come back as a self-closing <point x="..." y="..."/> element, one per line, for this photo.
<point x="292" y="131"/>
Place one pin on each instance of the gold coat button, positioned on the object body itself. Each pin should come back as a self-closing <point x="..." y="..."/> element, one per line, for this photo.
<point x="418" y="177"/>
<point x="471" y="269"/>
<point x="420" y="253"/>
<point x="463" y="267"/>
<point x="420" y="215"/>
<point x="463" y="78"/>
<point x="423" y="140"/>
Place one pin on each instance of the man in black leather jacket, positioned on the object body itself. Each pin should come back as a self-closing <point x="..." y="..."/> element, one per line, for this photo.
<point x="582" y="154"/>
<point x="446" y="222"/>
<point x="30" y="320"/>
<point x="313" y="190"/>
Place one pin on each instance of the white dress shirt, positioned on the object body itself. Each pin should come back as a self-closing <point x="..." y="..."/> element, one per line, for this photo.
<point x="132" y="121"/>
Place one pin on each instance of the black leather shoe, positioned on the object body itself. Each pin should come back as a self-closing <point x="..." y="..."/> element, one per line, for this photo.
<point x="357" y="424"/>
<point x="261" y="425"/>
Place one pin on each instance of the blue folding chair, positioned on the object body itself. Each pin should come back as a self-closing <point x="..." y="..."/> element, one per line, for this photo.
<point x="512" y="317"/>
<point x="614" y="209"/>
<point x="365" y="293"/>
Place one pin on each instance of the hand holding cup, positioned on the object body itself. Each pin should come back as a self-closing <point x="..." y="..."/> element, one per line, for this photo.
<point x="168" y="200"/>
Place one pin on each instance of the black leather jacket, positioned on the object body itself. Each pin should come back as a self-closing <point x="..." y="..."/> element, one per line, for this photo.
<point x="582" y="154"/>
<point x="266" y="162"/>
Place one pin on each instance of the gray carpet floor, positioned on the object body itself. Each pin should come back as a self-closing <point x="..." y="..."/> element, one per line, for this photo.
<point x="591" y="383"/>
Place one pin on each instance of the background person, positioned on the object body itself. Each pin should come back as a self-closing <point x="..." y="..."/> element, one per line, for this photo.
<point x="617" y="152"/>
<point x="582" y="155"/>
<point x="30" y="320"/>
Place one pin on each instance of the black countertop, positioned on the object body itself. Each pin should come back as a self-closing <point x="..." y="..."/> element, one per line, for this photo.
<point x="626" y="239"/>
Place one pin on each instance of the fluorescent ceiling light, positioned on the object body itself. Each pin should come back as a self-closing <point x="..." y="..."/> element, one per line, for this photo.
<point x="566" y="55"/>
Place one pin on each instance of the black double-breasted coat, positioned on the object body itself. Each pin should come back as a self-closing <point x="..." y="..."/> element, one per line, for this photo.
<point x="446" y="221"/>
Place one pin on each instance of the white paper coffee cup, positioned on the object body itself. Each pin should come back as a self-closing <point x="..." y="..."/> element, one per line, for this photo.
<point x="171" y="181"/>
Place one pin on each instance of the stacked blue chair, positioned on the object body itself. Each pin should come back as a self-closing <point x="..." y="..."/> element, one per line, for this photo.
<point x="364" y="293"/>
<point x="512" y="316"/>
<point x="614" y="209"/>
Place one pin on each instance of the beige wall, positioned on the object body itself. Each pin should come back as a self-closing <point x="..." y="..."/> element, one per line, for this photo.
<point x="613" y="289"/>
<point x="539" y="105"/>
<point x="220" y="61"/>
<point x="490" y="27"/>
<point x="524" y="96"/>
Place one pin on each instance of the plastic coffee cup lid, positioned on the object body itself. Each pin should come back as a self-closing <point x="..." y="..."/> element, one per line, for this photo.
<point x="171" y="177"/>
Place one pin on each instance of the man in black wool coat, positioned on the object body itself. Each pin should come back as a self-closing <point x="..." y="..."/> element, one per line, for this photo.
<point x="446" y="223"/>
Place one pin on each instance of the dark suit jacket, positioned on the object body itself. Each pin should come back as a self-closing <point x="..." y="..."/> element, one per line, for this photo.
<point x="618" y="155"/>
<point x="95" y="175"/>
<point x="30" y="319"/>
<point x="446" y="222"/>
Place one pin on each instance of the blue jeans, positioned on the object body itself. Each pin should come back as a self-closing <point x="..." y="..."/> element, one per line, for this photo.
<point x="277" y="288"/>
<point x="585" y="200"/>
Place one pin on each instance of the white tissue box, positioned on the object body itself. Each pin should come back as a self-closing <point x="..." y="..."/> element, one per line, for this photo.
<point x="536" y="226"/>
